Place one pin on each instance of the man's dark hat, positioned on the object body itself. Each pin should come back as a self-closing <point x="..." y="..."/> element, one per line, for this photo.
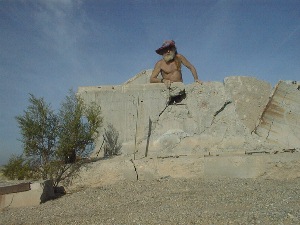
<point x="167" y="44"/>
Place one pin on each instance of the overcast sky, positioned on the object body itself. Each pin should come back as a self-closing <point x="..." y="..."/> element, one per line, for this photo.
<point x="50" y="46"/>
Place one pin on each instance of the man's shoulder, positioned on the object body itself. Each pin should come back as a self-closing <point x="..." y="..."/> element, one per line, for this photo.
<point x="160" y="62"/>
<point x="179" y="56"/>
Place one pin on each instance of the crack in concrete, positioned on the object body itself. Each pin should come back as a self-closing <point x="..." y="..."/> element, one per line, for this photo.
<point x="174" y="100"/>
<point x="164" y="109"/>
<point x="257" y="152"/>
<point x="12" y="199"/>
<point x="265" y="110"/>
<point x="148" y="136"/>
<point x="291" y="150"/>
<point x="170" y="156"/>
<point x="223" y="107"/>
<point x="136" y="126"/>
<point x="220" y="110"/>
<point x="270" y="128"/>
<point x="135" y="169"/>
<point x="167" y="103"/>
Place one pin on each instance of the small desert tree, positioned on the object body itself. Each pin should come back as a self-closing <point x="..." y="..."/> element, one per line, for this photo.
<point x="78" y="128"/>
<point x="39" y="130"/>
<point x="52" y="142"/>
<point x="77" y="133"/>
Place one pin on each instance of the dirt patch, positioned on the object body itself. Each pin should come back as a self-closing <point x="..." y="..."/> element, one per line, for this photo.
<point x="171" y="201"/>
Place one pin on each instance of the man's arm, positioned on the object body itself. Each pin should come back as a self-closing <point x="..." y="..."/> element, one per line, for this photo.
<point x="193" y="70"/>
<point x="155" y="72"/>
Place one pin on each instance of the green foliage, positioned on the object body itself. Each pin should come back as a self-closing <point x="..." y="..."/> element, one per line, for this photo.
<point x="16" y="168"/>
<point x="75" y="135"/>
<point x="39" y="129"/>
<point x="111" y="145"/>
<point x="54" y="144"/>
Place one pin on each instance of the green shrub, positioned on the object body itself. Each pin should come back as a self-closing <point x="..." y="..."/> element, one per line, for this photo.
<point x="112" y="146"/>
<point x="17" y="168"/>
<point x="53" y="142"/>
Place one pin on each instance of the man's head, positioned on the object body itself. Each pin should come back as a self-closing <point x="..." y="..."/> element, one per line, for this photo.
<point x="169" y="54"/>
<point x="167" y="45"/>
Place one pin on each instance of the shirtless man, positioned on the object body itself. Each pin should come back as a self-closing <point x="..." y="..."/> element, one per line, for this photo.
<point x="170" y="65"/>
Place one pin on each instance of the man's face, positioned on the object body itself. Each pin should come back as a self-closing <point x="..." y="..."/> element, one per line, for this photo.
<point x="168" y="54"/>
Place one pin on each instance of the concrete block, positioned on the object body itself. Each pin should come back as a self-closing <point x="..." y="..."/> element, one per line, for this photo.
<point x="209" y="165"/>
<point x="39" y="192"/>
<point x="280" y="120"/>
<point x="14" y="188"/>
<point x="250" y="97"/>
<point x="214" y="116"/>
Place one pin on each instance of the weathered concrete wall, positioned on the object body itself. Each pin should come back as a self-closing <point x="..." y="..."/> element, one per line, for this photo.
<point x="282" y="166"/>
<point x="240" y="128"/>
<point x="214" y="117"/>
<point x="280" y="121"/>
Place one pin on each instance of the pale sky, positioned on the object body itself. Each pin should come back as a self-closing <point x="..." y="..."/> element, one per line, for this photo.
<point x="50" y="46"/>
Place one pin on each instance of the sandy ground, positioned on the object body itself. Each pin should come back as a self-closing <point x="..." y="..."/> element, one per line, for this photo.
<point x="170" y="201"/>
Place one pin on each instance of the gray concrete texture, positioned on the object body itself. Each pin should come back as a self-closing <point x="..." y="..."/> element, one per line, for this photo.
<point x="281" y="166"/>
<point x="39" y="192"/>
<point x="240" y="115"/>
<point x="280" y="120"/>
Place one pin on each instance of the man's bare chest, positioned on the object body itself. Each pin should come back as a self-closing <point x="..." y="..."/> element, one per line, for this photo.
<point x="169" y="68"/>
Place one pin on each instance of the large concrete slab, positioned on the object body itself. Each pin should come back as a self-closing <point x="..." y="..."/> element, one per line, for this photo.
<point x="280" y="121"/>
<point x="270" y="165"/>
<point x="151" y="120"/>
<point x="240" y="128"/>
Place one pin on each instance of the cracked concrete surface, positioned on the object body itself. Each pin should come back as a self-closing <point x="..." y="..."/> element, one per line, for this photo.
<point x="280" y="120"/>
<point x="216" y="116"/>
<point x="240" y="115"/>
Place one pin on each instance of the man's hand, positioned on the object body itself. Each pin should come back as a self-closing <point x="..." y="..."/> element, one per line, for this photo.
<point x="167" y="83"/>
<point x="198" y="81"/>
